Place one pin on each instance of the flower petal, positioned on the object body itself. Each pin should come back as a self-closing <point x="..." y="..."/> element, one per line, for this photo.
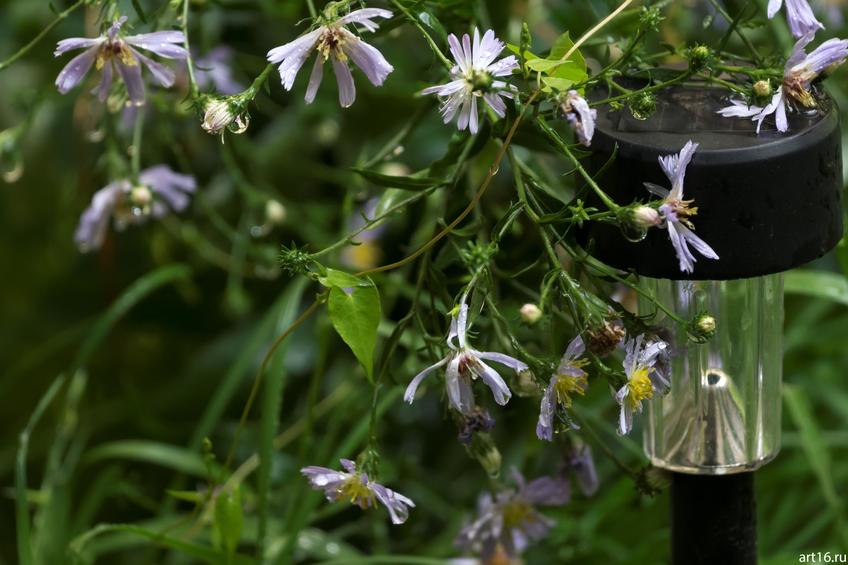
<point x="397" y="504"/>
<point x="292" y="55"/>
<point x="412" y="388"/>
<point x="168" y="44"/>
<point x="368" y="59"/>
<point x="72" y="43"/>
<point x="347" y="88"/>
<point x="315" y="79"/>
<point x="75" y="70"/>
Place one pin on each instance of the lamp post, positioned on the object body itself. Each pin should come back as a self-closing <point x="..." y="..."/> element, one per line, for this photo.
<point x="766" y="203"/>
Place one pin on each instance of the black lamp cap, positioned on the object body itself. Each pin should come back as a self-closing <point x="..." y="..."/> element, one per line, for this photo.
<point x="767" y="202"/>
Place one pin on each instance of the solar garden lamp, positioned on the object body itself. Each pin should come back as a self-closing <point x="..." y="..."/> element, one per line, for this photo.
<point x="766" y="204"/>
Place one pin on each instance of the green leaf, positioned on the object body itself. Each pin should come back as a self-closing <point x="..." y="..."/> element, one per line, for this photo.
<point x="342" y="280"/>
<point x="187" y="495"/>
<point x="229" y="519"/>
<point x="405" y="182"/>
<point x="820" y="284"/>
<point x="163" y="455"/>
<point x="355" y="313"/>
<point x="562" y="46"/>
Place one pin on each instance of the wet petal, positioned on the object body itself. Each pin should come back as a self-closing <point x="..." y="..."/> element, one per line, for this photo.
<point x="495" y="383"/>
<point x="315" y="80"/>
<point x="168" y="44"/>
<point x="72" y="43"/>
<point x="162" y="74"/>
<point x="412" y="388"/>
<point x="368" y="59"/>
<point x="503" y="359"/>
<point x="397" y="504"/>
<point x="347" y="89"/>
<point x="94" y="221"/>
<point x="131" y="75"/>
<point x="292" y="55"/>
<point x="75" y="70"/>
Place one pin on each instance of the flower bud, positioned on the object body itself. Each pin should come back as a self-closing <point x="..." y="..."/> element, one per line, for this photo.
<point x="702" y="327"/>
<point x="530" y="313"/>
<point x="699" y="56"/>
<point x="141" y="196"/>
<point x="762" y="89"/>
<point x="217" y="116"/>
<point x="275" y="212"/>
<point x="646" y="217"/>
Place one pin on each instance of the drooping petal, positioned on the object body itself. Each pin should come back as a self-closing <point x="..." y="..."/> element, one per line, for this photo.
<point x="162" y="74"/>
<point x="292" y="55"/>
<point x="315" y="79"/>
<point x="458" y="54"/>
<point x="169" y="185"/>
<point x="780" y="120"/>
<point x="412" y="388"/>
<point x="347" y="88"/>
<point x="131" y="75"/>
<point x="739" y="109"/>
<point x="75" y="70"/>
<point x="474" y="117"/>
<point x="495" y="383"/>
<point x="397" y="504"/>
<point x="545" y="425"/>
<point x="801" y="18"/>
<point x="625" y="415"/>
<point x="503" y="359"/>
<point x="94" y="221"/>
<point x="464" y="114"/>
<point x="367" y="58"/>
<point x="462" y="323"/>
<point x="168" y="44"/>
<point x="460" y="394"/>
<point x="684" y="257"/>
<point x="486" y="49"/>
<point x="496" y="103"/>
<point x="102" y="89"/>
<point x="699" y="244"/>
<point x="773" y="7"/>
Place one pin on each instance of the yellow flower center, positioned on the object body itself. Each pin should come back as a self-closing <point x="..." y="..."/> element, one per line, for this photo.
<point x="640" y="387"/>
<point x="684" y="210"/>
<point x="117" y="49"/>
<point x="330" y="44"/>
<point x="358" y="493"/>
<point x="516" y="513"/>
<point x="567" y="385"/>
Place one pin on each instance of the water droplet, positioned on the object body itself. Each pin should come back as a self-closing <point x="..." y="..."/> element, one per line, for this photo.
<point x="633" y="233"/>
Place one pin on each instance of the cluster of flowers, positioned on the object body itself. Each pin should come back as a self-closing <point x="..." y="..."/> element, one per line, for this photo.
<point x="800" y="71"/>
<point x="478" y="87"/>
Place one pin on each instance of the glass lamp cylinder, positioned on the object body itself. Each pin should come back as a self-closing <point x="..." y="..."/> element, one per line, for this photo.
<point x="722" y="414"/>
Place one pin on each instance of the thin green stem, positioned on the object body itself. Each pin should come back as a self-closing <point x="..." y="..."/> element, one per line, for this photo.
<point x="192" y="81"/>
<point x="26" y="48"/>
<point x="310" y="4"/>
<point x="720" y="9"/>
<point x="414" y="21"/>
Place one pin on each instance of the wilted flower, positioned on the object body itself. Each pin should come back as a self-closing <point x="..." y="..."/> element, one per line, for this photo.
<point x="475" y="76"/>
<point x="464" y="364"/>
<point x="160" y="190"/>
<point x="580" y="116"/>
<point x="676" y="212"/>
<point x="214" y="69"/>
<point x="220" y="114"/>
<point x="508" y="523"/>
<point x="113" y="52"/>
<point x="646" y="375"/>
<point x="800" y="71"/>
<point x="335" y="43"/>
<point x="479" y="421"/>
<point x="604" y="339"/>
<point x="570" y="379"/>
<point x="799" y="15"/>
<point x="358" y="488"/>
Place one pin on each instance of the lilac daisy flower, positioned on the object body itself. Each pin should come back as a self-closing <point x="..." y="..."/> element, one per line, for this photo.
<point x="799" y="15"/>
<point x="644" y="378"/>
<point x="509" y="522"/>
<point x="358" y="488"/>
<point x="475" y="76"/>
<point x="112" y="52"/>
<point x="580" y="116"/>
<point x="160" y="190"/>
<point x="334" y="43"/>
<point x="570" y="379"/>
<point x="464" y="364"/>
<point x="675" y="212"/>
<point x="800" y="71"/>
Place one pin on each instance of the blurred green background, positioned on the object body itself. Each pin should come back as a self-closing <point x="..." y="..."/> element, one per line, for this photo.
<point x="158" y="336"/>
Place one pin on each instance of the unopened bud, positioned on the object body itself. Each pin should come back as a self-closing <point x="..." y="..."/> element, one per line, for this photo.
<point x="219" y="115"/>
<point x="702" y="328"/>
<point x="762" y="89"/>
<point x="275" y="212"/>
<point x="699" y="56"/>
<point x="646" y="217"/>
<point x="141" y="196"/>
<point x="530" y="313"/>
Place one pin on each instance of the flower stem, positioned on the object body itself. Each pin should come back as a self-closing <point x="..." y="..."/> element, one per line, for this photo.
<point x="438" y="52"/>
<point x="26" y="48"/>
<point x="192" y="81"/>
